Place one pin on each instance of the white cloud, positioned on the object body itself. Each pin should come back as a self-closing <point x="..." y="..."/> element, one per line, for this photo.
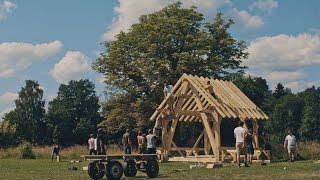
<point x="6" y="8"/>
<point x="266" y="6"/>
<point x="18" y="56"/>
<point x="128" y="12"/>
<point x="284" y="51"/>
<point x="8" y="97"/>
<point x="4" y="112"/>
<point x="284" y="76"/>
<point x="244" y="20"/>
<point x="70" y="67"/>
<point x="6" y="102"/>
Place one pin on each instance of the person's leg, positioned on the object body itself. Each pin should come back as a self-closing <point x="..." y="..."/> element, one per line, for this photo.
<point x="238" y="154"/>
<point x="129" y="150"/>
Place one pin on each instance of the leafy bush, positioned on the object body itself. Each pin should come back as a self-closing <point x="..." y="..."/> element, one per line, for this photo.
<point x="26" y="151"/>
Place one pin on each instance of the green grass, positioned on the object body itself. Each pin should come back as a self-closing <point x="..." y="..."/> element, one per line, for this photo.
<point x="13" y="168"/>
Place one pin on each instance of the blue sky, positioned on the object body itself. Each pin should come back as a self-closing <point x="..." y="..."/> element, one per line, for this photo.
<point x="53" y="42"/>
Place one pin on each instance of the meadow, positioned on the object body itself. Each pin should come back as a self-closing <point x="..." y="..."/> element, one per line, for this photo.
<point x="12" y="167"/>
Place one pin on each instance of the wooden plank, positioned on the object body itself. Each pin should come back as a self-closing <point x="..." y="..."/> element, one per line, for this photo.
<point x="207" y="128"/>
<point x="203" y="93"/>
<point x="164" y="102"/>
<point x="196" y="143"/>
<point x="219" y="105"/>
<point x="179" y="151"/>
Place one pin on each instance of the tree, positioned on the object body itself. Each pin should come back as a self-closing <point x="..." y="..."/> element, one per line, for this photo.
<point x="280" y="91"/>
<point x="255" y="88"/>
<point x="162" y="46"/>
<point x="7" y="133"/>
<point x="74" y="113"/>
<point x="286" y="115"/>
<point x="29" y="115"/>
<point x="310" y="126"/>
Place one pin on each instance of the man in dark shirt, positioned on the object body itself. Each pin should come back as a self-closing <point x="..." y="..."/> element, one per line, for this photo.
<point x="126" y="142"/>
<point x="100" y="142"/>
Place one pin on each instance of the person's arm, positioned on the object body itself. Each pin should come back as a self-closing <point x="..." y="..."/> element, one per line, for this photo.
<point x="285" y="142"/>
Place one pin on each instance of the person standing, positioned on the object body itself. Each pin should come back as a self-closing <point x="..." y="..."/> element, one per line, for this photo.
<point x="290" y="143"/>
<point x="55" y="151"/>
<point x="240" y="135"/>
<point x="126" y="142"/>
<point x="100" y="149"/>
<point x="249" y="143"/>
<point x="167" y="91"/>
<point x="91" y="144"/>
<point x="151" y="142"/>
<point x="141" y="143"/>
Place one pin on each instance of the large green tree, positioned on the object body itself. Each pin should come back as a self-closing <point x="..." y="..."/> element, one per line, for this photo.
<point x="74" y="113"/>
<point x="310" y="126"/>
<point x="28" y="117"/>
<point x="162" y="46"/>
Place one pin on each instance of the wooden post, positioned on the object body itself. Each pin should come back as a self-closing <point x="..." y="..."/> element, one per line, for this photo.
<point x="206" y="144"/>
<point x="207" y="128"/>
<point x="217" y="122"/>
<point x="255" y="133"/>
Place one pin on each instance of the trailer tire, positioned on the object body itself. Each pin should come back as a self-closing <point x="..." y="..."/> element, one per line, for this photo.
<point x="96" y="170"/>
<point x="129" y="168"/>
<point x="114" y="170"/>
<point x="152" y="168"/>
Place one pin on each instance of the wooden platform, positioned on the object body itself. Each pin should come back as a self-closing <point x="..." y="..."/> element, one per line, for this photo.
<point x="117" y="156"/>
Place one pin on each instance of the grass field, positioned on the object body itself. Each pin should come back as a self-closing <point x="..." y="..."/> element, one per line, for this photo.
<point x="12" y="168"/>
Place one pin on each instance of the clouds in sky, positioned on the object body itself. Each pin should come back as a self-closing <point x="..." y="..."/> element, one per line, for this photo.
<point x="6" y="100"/>
<point x="266" y="6"/>
<point x="71" y="67"/>
<point x="15" y="57"/>
<point x="6" y="8"/>
<point x="281" y="59"/>
<point x="244" y="20"/>
<point x="284" y="51"/>
<point x="128" y="12"/>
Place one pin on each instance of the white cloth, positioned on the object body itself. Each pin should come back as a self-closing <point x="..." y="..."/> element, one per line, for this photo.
<point x="92" y="143"/>
<point x="239" y="133"/>
<point x="291" y="140"/>
<point x="151" y="141"/>
<point x="167" y="89"/>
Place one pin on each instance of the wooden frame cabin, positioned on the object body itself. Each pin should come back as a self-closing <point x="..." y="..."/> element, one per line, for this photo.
<point x="194" y="103"/>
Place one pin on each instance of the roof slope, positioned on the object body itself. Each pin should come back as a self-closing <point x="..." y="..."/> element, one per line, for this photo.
<point x="191" y="99"/>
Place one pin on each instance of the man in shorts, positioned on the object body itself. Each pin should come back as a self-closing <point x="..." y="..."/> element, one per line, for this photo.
<point x="240" y="136"/>
<point x="290" y="143"/>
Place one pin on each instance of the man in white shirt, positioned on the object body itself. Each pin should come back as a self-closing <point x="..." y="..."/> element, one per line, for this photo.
<point x="167" y="91"/>
<point x="151" y="142"/>
<point x="240" y="135"/>
<point x="290" y="143"/>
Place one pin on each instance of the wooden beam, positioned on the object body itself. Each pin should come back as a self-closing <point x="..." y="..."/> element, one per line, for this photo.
<point x="207" y="128"/>
<point x="196" y="143"/>
<point x="179" y="151"/>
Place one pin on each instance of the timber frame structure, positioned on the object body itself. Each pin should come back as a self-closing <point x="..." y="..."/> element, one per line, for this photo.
<point x="193" y="103"/>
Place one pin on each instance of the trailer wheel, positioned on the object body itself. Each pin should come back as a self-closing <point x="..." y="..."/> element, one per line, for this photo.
<point x="152" y="168"/>
<point x="129" y="168"/>
<point x="114" y="170"/>
<point x="96" y="170"/>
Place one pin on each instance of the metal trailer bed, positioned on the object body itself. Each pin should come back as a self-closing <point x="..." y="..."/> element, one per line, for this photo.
<point x="111" y="167"/>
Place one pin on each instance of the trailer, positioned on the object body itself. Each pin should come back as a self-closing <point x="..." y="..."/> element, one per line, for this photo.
<point x="112" y="168"/>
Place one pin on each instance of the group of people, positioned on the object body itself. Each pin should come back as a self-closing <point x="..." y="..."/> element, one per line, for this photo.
<point x="97" y="144"/>
<point x="146" y="143"/>
<point x="245" y="144"/>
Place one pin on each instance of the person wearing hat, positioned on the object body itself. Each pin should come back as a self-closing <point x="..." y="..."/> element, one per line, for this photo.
<point x="290" y="143"/>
